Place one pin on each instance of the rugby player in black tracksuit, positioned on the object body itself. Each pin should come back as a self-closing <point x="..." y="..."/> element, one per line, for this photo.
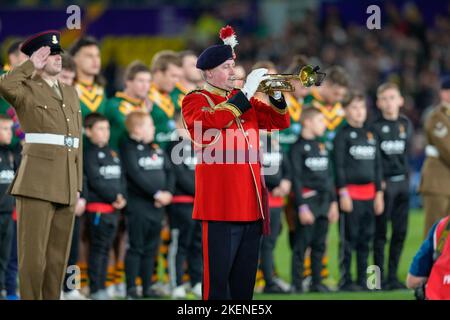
<point x="358" y="179"/>
<point x="107" y="193"/>
<point x="149" y="177"/>
<point x="186" y="233"/>
<point x="393" y="133"/>
<point x="314" y="198"/>
<point x="275" y="167"/>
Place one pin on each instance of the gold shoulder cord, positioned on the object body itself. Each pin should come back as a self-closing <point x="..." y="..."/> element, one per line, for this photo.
<point x="201" y="145"/>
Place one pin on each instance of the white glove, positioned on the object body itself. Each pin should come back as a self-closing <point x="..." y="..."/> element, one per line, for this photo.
<point x="276" y="95"/>
<point x="253" y="80"/>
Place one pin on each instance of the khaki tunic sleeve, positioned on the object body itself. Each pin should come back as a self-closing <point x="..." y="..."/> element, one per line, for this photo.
<point x="11" y="83"/>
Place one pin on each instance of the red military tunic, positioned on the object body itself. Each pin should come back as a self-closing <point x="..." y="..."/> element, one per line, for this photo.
<point x="227" y="191"/>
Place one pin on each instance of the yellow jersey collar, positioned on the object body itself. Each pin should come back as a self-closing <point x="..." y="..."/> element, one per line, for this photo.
<point x="131" y="100"/>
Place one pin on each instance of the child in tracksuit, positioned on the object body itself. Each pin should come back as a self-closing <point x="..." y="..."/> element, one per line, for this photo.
<point x="107" y="189"/>
<point x="314" y="198"/>
<point x="275" y="168"/>
<point x="393" y="132"/>
<point x="185" y="233"/>
<point x="150" y="182"/>
<point x="358" y="179"/>
<point x="7" y="167"/>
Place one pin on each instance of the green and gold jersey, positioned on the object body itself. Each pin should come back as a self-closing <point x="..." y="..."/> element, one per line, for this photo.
<point x="92" y="98"/>
<point x="117" y="111"/>
<point x="177" y="95"/>
<point x="4" y="105"/>
<point x="7" y="109"/>
<point x="334" y="116"/>
<point x="289" y="135"/>
<point x="162" y="113"/>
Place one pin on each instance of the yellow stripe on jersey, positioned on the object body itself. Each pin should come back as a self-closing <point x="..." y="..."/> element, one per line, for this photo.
<point x="334" y="115"/>
<point x="294" y="107"/>
<point x="129" y="104"/>
<point x="91" y="96"/>
<point x="162" y="100"/>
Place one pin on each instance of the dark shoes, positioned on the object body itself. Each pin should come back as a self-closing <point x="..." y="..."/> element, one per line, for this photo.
<point x="152" y="294"/>
<point x="296" y="290"/>
<point x="319" y="287"/>
<point x="273" y="288"/>
<point x="132" y="294"/>
<point x="394" y="285"/>
<point x="350" y="287"/>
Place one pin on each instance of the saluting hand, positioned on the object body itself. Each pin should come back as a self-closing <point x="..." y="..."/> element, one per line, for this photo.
<point x="39" y="57"/>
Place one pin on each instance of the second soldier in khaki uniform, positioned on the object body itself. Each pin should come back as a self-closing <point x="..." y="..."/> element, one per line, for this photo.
<point x="50" y="174"/>
<point x="434" y="185"/>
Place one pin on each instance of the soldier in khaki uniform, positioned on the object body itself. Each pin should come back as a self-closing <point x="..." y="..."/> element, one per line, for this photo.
<point x="434" y="185"/>
<point x="50" y="174"/>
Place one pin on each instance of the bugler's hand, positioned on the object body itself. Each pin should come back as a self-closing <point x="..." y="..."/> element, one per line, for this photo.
<point x="253" y="80"/>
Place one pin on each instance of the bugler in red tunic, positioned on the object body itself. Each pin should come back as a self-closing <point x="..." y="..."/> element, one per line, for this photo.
<point x="227" y="191"/>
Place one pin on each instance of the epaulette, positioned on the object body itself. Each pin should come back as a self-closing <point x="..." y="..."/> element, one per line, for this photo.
<point x="192" y="91"/>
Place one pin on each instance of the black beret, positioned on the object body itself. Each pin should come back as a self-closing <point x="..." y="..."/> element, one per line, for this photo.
<point x="213" y="56"/>
<point x="47" y="38"/>
<point x="445" y="83"/>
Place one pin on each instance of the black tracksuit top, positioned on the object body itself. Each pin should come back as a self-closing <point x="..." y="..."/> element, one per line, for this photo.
<point x="104" y="174"/>
<point x="310" y="168"/>
<point x="147" y="169"/>
<point x="393" y="139"/>
<point x="357" y="158"/>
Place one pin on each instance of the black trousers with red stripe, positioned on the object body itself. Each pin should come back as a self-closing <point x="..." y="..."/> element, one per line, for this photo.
<point x="230" y="259"/>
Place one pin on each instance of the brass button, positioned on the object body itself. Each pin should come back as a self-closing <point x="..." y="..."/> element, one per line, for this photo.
<point x="63" y="105"/>
<point x="70" y="150"/>
<point x="45" y="107"/>
<point x="70" y="134"/>
<point x="68" y="119"/>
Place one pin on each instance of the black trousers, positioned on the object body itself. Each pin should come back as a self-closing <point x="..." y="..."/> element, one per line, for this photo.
<point x="6" y="234"/>
<point x="73" y="255"/>
<point x="144" y="223"/>
<point x="12" y="268"/>
<point x="311" y="236"/>
<point x="185" y="245"/>
<point x="268" y="245"/>
<point x="396" y="202"/>
<point x="356" y="230"/>
<point x="102" y="228"/>
<point x="230" y="259"/>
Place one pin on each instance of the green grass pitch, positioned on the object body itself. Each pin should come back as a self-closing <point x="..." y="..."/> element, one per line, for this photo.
<point x="283" y="257"/>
